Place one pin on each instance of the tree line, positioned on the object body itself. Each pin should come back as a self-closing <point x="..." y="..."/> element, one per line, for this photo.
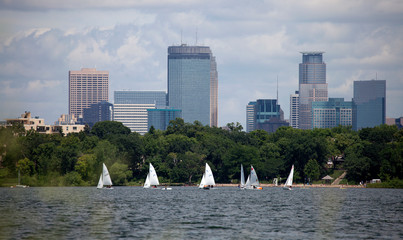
<point x="180" y="153"/>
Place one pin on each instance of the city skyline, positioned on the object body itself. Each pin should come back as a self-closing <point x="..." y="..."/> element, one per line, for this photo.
<point x="253" y="42"/>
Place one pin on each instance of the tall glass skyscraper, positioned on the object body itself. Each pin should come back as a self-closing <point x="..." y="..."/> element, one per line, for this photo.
<point x="193" y="83"/>
<point x="369" y="103"/>
<point x="312" y="86"/>
<point x="268" y="115"/>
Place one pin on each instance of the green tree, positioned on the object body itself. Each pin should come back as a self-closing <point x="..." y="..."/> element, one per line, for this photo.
<point x="312" y="170"/>
<point x="105" y="128"/>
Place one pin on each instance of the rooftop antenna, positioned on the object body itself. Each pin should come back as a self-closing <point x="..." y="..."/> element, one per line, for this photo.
<point x="376" y="76"/>
<point x="181" y="37"/>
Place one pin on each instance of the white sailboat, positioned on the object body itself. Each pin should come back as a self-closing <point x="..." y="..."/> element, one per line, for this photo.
<point x="105" y="178"/>
<point x="208" y="178"/>
<point x="242" y="185"/>
<point x="201" y="185"/>
<point x="152" y="179"/>
<point x="253" y="181"/>
<point x="288" y="183"/>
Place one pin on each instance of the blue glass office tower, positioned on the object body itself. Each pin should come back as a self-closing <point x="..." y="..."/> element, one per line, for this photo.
<point x="159" y="118"/>
<point x="268" y="115"/>
<point x="193" y="83"/>
<point x="312" y="86"/>
<point x="102" y="111"/>
<point x="369" y="103"/>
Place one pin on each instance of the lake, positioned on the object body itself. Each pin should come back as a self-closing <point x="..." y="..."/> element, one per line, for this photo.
<point x="192" y="213"/>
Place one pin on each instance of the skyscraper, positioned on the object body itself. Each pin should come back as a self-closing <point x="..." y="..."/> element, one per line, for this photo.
<point x="159" y="118"/>
<point x="97" y="112"/>
<point x="250" y="116"/>
<point x="86" y="87"/>
<point x="294" y="113"/>
<point x="312" y="86"/>
<point x="268" y="115"/>
<point x="130" y="108"/>
<point x="193" y="83"/>
<point x="369" y="103"/>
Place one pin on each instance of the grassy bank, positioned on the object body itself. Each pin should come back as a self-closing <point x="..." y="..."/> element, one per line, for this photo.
<point x="394" y="183"/>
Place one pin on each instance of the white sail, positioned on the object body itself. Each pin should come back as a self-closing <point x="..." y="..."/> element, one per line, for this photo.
<point x="105" y="176"/>
<point x="209" y="178"/>
<point x="100" y="182"/>
<point x="147" y="183"/>
<point x="153" y="176"/>
<point x="201" y="185"/>
<point x="290" y="178"/>
<point x="247" y="184"/>
<point x="254" y="181"/>
<point x="242" y="178"/>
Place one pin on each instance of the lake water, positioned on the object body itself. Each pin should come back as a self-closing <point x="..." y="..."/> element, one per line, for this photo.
<point x="192" y="213"/>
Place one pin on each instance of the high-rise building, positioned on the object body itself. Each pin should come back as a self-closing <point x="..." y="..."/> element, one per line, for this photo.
<point x="294" y="113"/>
<point x="268" y="115"/>
<point x="312" y="86"/>
<point x="130" y="108"/>
<point x="332" y="113"/>
<point x="193" y="83"/>
<point x="159" y="118"/>
<point x="86" y="87"/>
<point x="102" y="111"/>
<point x="250" y="116"/>
<point x="369" y="103"/>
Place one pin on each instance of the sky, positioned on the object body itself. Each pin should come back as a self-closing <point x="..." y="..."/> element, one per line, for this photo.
<point x="254" y="42"/>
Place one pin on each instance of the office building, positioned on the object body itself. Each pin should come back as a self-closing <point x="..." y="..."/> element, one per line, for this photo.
<point x="294" y="113"/>
<point x="332" y="113"/>
<point x="159" y="118"/>
<point x="250" y="116"/>
<point x="86" y="87"/>
<point x="369" y="103"/>
<point x="193" y="83"/>
<point x="312" y="86"/>
<point x="102" y="111"/>
<point x="130" y="108"/>
<point x="268" y="115"/>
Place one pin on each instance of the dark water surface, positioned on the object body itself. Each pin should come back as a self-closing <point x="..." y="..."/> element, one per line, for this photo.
<point x="192" y="213"/>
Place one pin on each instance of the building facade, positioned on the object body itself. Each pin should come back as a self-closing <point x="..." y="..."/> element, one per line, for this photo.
<point x="312" y="86"/>
<point x="369" y="104"/>
<point x="193" y="83"/>
<point x="294" y="107"/>
<point x="268" y="115"/>
<point x="250" y="116"/>
<point x="159" y="118"/>
<point x="38" y="124"/>
<point x="332" y="113"/>
<point x="102" y="111"/>
<point x="86" y="87"/>
<point x="130" y="108"/>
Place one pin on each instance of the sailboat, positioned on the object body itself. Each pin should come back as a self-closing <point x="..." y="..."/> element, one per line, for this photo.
<point x="208" y="178"/>
<point x="105" y="178"/>
<point x="242" y="185"/>
<point x="253" y="181"/>
<point x="201" y="185"/>
<point x="288" y="183"/>
<point x="152" y="179"/>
